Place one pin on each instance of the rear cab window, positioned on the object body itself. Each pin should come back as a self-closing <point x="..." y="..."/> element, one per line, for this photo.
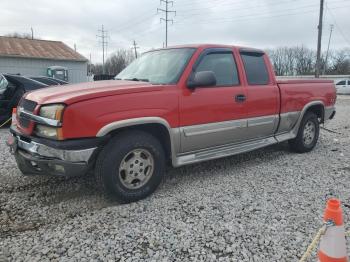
<point x="255" y="68"/>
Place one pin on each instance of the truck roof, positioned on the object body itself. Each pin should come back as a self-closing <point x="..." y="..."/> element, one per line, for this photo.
<point x="213" y="46"/>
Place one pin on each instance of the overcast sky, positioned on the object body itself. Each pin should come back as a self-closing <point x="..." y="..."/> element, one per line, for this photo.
<point x="255" y="23"/>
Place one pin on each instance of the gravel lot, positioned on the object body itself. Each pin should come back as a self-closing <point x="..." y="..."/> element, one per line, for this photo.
<point x="260" y="206"/>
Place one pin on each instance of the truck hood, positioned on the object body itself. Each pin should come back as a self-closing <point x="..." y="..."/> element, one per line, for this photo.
<point x="69" y="94"/>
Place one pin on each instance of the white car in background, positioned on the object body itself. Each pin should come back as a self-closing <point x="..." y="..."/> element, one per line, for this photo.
<point x="343" y="87"/>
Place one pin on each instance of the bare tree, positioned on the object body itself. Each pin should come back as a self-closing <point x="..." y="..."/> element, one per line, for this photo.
<point x="19" y="35"/>
<point x="340" y="62"/>
<point x="304" y="59"/>
<point x="115" y="63"/>
<point x="300" y="60"/>
<point x="96" y="69"/>
<point x="283" y="60"/>
<point x="118" y="61"/>
<point x="277" y="59"/>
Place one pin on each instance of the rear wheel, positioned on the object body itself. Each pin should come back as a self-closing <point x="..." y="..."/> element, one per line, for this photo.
<point x="308" y="133"/>
<point x="131" y="166"/>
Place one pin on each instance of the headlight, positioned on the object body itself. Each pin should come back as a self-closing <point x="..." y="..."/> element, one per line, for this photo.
<point x="48" y="132"/>
<point x="54" y="112"/>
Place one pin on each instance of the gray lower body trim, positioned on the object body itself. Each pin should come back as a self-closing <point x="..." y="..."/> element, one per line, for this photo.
<point x="201" y="136"/>
<point x="222" y="151"/>
<point x="283" y="130"/>
<point x="328" y="112"/>
<point x="287" y="121"/>
<point x="213" y="127"/>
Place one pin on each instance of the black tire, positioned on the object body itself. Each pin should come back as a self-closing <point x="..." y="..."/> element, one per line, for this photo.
<point x="108" y="164"/>
<point x="299" y="144"/>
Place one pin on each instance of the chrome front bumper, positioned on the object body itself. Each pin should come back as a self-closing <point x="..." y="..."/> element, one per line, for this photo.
<point x="38" y="159"/>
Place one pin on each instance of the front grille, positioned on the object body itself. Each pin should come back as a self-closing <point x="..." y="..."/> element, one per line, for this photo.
<point x="28" y="106"/>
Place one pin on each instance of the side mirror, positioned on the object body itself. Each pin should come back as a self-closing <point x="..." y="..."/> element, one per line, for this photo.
<point x="202" y="79"/>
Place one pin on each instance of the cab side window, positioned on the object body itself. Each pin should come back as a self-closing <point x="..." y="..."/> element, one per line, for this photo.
<point x="341" y="83"/>
<point x="255" y="68"/>
<point x="224" y="67"/>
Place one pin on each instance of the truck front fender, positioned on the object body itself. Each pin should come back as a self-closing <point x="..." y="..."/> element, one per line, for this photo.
<point x="174" y="133"/>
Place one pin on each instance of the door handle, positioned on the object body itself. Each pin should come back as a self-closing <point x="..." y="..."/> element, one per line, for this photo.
<point x="240" y="98"/>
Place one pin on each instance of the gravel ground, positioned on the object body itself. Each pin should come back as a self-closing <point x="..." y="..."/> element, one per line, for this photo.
<point x="260" y="206"/>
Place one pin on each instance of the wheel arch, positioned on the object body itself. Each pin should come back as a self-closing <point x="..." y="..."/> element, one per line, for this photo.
<point x="156" y="126"/>
<point x="316" y="107"/>
<point x="318" y="110"/>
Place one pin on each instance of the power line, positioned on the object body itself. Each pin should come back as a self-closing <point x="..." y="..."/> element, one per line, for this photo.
<point x="192" y="3"/>
<point x="166" y="11"/>
<point x="239" y="11"/>
<point x="230" y="14"/>
<point x="229" y="7"/>
<point x="132" y="24"/>
<point x="262" y="15"/>
<point x="103" y="35"/>
<point x="336" y="24"/>
<point x="138" y="17"/>
<point x="251" y="17"/>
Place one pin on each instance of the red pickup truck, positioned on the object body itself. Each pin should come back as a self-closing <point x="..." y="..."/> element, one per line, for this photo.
<point x="173" y="106"/>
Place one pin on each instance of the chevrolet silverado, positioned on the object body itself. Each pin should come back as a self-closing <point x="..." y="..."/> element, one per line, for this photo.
<point x="172" y="106"/>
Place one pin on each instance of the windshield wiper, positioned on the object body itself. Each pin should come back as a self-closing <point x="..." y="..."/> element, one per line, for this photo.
<point x="137" y="79"/>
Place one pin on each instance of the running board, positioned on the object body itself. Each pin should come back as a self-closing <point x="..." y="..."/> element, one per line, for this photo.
<point x="223" y="151"/>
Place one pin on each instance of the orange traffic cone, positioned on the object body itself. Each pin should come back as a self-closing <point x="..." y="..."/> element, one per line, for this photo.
<point x="332" y="245"/>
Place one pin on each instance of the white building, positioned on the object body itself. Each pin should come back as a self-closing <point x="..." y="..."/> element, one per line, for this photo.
<point x="33" y="57"/>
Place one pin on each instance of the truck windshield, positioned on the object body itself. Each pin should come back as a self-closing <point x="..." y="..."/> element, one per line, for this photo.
<point x="158" y="67"/>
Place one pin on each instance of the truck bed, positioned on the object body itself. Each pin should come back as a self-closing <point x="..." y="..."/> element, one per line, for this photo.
<point x="296" y="93"/>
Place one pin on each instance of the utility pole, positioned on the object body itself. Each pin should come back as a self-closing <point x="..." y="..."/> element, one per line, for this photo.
<point x="134" y="46"/>
<point x="75" y="47"/>
<point x="166" y="11"/>
<point x="103" y="35"/>
<point x="90" y="63"/>
<point x="31" y="29"/>
<point x="319" y="39"/>
<point x="329" y="41"/>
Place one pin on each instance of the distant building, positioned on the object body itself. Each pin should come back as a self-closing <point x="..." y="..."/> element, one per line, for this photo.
<point x="38" y="57"/>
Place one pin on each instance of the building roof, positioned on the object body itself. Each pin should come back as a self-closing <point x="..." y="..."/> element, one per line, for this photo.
<point x="37" y="49"/>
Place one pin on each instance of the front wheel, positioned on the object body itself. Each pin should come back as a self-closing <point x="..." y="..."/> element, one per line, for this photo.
<point x="131" y="166"/>
<point x="308" y="133"/>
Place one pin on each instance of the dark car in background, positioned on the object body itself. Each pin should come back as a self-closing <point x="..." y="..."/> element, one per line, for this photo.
<point x="50" y="81"/>
<point x="12" y="87"/>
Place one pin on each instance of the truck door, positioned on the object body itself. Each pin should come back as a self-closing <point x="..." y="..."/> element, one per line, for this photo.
<point x="213" y="116"/>
<point x="262" y="95"/>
